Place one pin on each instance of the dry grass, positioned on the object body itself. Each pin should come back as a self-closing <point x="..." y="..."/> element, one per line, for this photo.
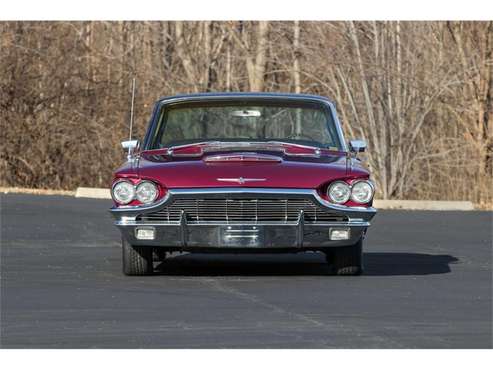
<point x="485" y="206"/>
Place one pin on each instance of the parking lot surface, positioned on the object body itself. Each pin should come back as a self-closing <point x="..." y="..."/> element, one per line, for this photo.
<point x="427" y="284"/>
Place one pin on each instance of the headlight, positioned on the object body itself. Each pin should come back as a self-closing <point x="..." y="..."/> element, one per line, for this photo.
<point x="146" y="192"/>
<point x="123" y="192"/>
<point x="339" y="192"/>
<point x="362" y="192"/>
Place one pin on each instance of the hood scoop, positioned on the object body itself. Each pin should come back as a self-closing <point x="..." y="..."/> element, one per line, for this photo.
<point x="242" y="157"/>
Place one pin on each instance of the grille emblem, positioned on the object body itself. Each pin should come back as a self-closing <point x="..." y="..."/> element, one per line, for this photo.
<point x="239" y="180"/>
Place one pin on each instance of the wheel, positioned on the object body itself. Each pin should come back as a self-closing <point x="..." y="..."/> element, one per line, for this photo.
<point x="137" y="260"/>
<point x="347" y="260"/>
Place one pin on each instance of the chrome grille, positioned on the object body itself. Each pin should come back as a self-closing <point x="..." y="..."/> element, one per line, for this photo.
<point x="253" y="211"/>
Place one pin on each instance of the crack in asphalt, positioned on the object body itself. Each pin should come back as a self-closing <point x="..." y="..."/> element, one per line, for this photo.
<point x="219" y="286"/>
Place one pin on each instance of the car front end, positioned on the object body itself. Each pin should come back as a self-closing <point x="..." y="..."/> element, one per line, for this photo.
<point x="237" y="173"/>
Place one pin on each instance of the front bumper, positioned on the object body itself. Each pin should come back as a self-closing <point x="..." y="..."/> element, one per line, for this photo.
<point x="293" y="235"/>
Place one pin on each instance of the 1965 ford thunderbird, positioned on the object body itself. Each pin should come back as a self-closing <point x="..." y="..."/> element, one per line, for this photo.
<point x="243" y="172"/>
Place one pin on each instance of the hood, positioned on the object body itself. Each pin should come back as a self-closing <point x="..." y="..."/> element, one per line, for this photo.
<point x="240" y="169"/>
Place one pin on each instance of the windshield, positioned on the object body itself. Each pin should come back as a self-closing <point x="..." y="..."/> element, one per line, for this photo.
<point x="306" y="124"/>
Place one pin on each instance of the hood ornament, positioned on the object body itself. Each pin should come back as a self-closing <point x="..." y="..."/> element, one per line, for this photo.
<point x="239" y="180"/>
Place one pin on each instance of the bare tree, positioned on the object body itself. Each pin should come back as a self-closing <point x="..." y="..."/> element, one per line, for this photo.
<point x="421" y="93"/>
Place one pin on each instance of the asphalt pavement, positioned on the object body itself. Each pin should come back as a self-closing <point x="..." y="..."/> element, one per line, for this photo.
<point x="427" y="284"/>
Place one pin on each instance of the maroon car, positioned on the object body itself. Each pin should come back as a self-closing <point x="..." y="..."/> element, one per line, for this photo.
<point x="243" y="172"/>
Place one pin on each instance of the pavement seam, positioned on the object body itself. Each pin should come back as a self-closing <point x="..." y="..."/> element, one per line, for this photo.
<point x="221" y="287"/>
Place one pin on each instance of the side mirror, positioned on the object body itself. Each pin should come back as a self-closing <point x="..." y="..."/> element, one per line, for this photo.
<point x="357" y="146"/>
<point x="131" y="145"/>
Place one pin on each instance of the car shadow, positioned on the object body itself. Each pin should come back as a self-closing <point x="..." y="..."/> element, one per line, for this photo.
<point x="308" y="264"/>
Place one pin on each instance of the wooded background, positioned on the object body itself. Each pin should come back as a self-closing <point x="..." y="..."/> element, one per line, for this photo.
<point x="420" y="93"/>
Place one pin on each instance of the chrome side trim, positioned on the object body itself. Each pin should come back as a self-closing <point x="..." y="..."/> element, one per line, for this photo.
<point x="350" y="223"/>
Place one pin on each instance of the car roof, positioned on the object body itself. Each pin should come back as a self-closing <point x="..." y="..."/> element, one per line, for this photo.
<point x="240" y="95"/>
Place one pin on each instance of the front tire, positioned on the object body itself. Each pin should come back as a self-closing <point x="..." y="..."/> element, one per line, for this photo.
<point x="137" y="260"/>
<point x="347" y="260"/>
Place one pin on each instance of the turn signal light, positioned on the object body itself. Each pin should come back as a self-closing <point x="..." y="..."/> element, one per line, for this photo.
<point x="145" y="233"/>
<point x="339" y="233"/>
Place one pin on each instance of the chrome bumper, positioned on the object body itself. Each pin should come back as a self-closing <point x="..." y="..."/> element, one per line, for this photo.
<point x="299" y="234"/>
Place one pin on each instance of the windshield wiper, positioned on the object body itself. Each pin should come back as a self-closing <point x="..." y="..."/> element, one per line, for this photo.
<point x="197" y="143"/>
<point x="287" y="143"/>
<point x="199" y="148"/>
<point x="215" y="144"/>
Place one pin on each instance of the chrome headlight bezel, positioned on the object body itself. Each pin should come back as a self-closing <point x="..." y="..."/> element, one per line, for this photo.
<point x="371" y="192"/>
<point x="343" y="199"/>
<point x="131" y="191"/>
<point x="140" y="197"/>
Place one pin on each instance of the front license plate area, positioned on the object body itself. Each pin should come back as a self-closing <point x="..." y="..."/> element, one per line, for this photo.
<point x="242" y="236"/>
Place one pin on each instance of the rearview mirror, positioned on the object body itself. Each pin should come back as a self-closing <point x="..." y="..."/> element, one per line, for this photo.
<point x="131" y="145"/>
<point x="357" y="146"/>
